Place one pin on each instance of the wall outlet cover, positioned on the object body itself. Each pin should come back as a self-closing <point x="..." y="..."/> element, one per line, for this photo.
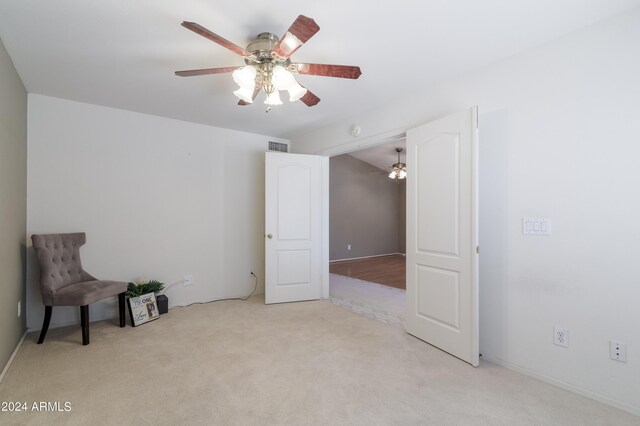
<point x="618" y="351"/>
<point x="561" y="337"/>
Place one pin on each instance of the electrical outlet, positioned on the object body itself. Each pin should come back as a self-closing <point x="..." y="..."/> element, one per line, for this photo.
<point x="19" y="308"/>
<point x="618" y="351"/>
<point x="188" y="279"/>
<point x="561" y="337"/>
<point x="348" y="246"/>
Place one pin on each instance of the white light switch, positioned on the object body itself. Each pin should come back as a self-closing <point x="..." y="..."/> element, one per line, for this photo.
<point x="536" y="226"/>
<point x="544" y="226"/>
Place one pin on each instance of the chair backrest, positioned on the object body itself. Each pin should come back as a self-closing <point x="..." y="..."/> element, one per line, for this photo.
<point x="59" y="258"/>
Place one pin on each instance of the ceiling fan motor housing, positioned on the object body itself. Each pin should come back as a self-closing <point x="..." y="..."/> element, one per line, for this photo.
<point x="261" y="49"/>
<point x="262" y="58"/>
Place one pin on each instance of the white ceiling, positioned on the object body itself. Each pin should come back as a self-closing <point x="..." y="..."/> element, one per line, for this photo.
<point x="123" y="53"/>
<point x="382" y="156"/>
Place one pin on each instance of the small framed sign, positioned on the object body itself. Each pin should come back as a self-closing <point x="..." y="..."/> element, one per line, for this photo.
<point x="143" y="309"/>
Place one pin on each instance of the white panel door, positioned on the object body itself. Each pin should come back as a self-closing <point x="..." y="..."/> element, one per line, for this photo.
<point x="442" y="268"/>
<point x="293" y="227"/>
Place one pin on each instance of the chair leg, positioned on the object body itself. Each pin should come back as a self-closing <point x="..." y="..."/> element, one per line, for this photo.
<point x="45" y="324"/>
<point x="84" y="319"/>
<point x="121" y="306"/>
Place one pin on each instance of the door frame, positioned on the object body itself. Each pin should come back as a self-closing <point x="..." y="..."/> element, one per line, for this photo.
<point x="355" y="145"/>
<point x="380" y="139"/>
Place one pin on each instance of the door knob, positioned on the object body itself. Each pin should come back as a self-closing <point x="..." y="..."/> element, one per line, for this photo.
<point x="269" y="235"/>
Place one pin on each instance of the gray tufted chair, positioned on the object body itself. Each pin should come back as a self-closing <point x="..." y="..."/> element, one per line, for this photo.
<point x="63" y="282"/>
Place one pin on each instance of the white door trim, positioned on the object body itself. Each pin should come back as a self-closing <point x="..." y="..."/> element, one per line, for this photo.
<point x="324" y="284"/>
<point x="363" y="143"/>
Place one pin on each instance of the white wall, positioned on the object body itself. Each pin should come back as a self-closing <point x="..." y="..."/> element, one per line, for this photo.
<point x="158" y="198"/>
<point x="559" y="130"/>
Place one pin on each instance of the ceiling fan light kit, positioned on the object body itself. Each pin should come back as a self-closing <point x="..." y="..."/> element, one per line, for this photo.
<point x="273" y="98"/>
<point x="245" y="76"/>
<point x="245" y="94"/>
<point x="268" y="66"/>
<point x="399" y="171"/>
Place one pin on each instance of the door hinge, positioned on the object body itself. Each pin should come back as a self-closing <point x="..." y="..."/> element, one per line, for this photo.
<point x="478" y="249"/>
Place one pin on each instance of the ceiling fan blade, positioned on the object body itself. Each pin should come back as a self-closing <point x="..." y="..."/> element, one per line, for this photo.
<point x="309" y="98"/>
<point x="256" y="90"/>
<point x="205" y="71"/>
<point x="342" y="71"/>
<point x="199" y="29"/>
<point x="299" y="33"/>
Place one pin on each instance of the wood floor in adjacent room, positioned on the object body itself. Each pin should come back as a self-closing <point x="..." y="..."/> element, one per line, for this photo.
<point x="386" y="270"/>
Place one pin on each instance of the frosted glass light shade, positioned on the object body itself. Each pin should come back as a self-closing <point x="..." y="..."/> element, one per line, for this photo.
<point x="399" y="172"/>
<point x="282" y="79"/>
<point x="245" y="76"/>
<point x="273" y="98"/>
<point x="296" y="92"/>
<point x="245" y="93"/>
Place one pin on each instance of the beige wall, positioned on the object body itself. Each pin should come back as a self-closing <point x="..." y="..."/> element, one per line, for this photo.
<point x="13" y="204"/>
<point x="363" y="209"/>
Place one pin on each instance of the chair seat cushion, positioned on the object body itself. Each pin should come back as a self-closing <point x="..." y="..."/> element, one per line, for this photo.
<point x="87" y="292"/>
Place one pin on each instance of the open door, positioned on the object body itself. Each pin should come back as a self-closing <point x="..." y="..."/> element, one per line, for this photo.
<point x="293" y="227"/>
<point x="442" y="277"/>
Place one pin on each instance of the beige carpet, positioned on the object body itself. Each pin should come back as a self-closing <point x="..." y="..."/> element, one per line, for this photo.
<point x="298" y="363"/>
<point x="377" y="301"/>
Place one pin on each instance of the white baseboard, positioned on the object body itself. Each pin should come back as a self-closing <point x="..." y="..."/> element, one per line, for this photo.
<point x="13" y="355"/>
<point x="366" y="257"/>
<point x="566" y="386"/>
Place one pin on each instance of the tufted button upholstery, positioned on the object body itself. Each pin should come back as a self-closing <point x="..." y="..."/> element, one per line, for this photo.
<point x="63" y="282"/>
<point x="61" y="270"/>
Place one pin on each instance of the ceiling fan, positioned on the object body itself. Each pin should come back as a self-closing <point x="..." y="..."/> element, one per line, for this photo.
<point x="268" y="65"/>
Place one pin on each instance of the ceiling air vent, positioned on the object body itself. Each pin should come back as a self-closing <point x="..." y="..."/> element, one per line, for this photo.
<point x="278" y="146"/>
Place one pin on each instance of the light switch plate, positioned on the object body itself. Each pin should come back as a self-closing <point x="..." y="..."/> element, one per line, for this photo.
<point x="536" y="226"/>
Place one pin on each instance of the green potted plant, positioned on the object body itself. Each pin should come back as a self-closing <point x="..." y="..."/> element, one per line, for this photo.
<point x="143" y="286"/>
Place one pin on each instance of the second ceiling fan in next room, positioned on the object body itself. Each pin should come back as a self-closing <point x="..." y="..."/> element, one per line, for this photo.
<point x="268" y="66"/>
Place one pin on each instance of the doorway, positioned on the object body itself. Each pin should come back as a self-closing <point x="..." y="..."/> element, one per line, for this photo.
<point x="441" y="230"/>
<point x="367" y="232"/>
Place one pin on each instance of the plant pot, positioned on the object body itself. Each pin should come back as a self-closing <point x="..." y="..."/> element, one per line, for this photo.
<point x="163" y="303"/>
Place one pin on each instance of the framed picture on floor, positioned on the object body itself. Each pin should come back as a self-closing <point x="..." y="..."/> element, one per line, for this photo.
<point x="143" y="309"/>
